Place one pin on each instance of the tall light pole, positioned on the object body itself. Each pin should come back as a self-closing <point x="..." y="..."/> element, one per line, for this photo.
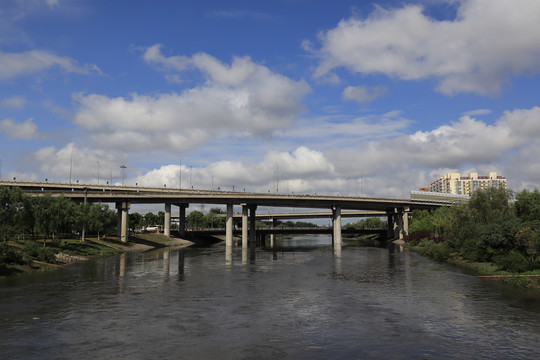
<point x="123" y="167"/>
<point x="71" y="164"/>
<point x="0" y="169"/>
<point x="180" y="175"/>
<point x="190" y="173"/>
<point x="98" y="172"/>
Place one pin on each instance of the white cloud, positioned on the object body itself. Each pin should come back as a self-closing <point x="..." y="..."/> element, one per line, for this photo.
<point x="25" y="131"/>
<point x="53" y="3"/>
<point x="33" y="61"/>
<point x="362" y="94"/>
<point x="56" y="164"/>
<point x="241" y="99"/>
<point x="477" y="112"/>
<point x="16" y="102"/>
<point x="479" y="51"/>
<point x="300" y="170"/>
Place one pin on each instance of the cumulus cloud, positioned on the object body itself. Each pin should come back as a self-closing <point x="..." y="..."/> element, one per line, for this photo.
<point x="33" y="61"/>
<point x="385" y="167"/>
<point x="452" y="146"/>
<point x="241" y="99"/>
<point x="15" y="130"/>
<point x="362" y="94"/>
<point x="86" y="164"/>
<point x="479" y="51"/>
<point x="299" y="170"/>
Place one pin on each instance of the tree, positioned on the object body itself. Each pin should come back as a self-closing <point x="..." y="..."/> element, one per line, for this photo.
<point x="527" y="205"/>
<point x="15" y="212"/>
<point x="100" y="219"/>
<point x="491" y="205"/>
<point x="150" y="219"/>
<point x="213" y="220"/>
<point x="135" y="220"/>
<point x="195" y="219"/>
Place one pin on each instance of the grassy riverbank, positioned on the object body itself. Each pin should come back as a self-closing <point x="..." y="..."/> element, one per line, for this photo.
<point x="485" y="270"/>
<point x="29" y="256"/>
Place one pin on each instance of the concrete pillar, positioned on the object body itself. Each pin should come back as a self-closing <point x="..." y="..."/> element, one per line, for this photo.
<point x="398" y="225"/>
<point x="244" y="226"/>
<point x="229" y="226"/>
<point x="182" y="219"/>
<point x="252" y="235"/>
<point x="118" y="219"/>
<point x="272" y="235"/>
<point x="406" y="221"/>
<point x="390" y="226"/>
<point x="123" y="216"/>
<point x="336" y="217"/>
<point x="167" y="220"/>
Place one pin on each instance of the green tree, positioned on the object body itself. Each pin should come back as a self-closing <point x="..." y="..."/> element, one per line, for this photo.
<point x="195" y="219"/>
<point x="100" y="219"/>
<point x="491" y="205"/>
<point x="135" y="220"/>
<point x="213" y="220"/>
<point x="15" y="213"/>
<point x="527" y="205"/>
<point x="150" y="219"/>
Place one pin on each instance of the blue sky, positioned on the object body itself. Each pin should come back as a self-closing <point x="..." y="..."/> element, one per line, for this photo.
<point x="307" y="96"/>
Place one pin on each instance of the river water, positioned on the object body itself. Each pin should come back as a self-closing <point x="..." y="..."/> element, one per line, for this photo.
<point x="306" y="302"/>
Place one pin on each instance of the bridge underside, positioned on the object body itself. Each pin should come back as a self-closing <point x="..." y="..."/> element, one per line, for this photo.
<point x="395" y="210"/>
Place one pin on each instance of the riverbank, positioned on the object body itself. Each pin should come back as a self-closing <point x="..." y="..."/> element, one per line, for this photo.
<point x="483" y="270"/>
<point x="19" y="257"/>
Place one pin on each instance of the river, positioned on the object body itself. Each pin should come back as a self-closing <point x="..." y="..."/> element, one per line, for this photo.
<point x="304" y="302"/>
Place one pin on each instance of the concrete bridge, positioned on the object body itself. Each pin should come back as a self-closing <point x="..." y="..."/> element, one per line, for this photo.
<point x="396" y="210"/>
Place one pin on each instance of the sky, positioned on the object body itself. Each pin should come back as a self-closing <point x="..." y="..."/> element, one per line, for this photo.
<point x="358" y="98"/>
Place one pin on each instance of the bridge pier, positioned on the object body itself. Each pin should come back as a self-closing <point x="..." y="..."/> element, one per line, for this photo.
<point x="167" y="220"/>
<point x="244" y="226"/>
<point x="336" y="224"/>
<point x="272" y="235"/>
<point x="398" y="223"/>
<point x="229" y="226"/>
<point x="182" y="219"/>
<point x="123" y="220"/>
<point x="252" y="234"/>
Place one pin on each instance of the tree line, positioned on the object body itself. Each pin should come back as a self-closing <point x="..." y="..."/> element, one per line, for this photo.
<point x="496" y="226"/>
<point x="50" y="217"/>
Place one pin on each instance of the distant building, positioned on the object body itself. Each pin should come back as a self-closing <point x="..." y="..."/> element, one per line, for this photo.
<point x="453" y="183"/>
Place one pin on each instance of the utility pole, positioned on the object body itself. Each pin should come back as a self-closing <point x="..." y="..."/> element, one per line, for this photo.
<point x="123" y="167"/>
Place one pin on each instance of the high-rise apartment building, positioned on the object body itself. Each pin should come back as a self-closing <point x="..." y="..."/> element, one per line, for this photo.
<point x="453" y="183"/>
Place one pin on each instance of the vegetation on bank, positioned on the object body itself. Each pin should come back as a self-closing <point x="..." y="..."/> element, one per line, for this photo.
<point x="28" y="255"/>
<point x="37" y="232"/>
<point x="496" y="233"/>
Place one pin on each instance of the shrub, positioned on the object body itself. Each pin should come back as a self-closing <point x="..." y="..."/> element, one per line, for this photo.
<point x="513" y="262"/>
<point x="473" y="251"/>
<point x="440" y="252"/>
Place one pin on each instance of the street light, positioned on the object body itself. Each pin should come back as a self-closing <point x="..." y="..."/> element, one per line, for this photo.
<point x="71" y="164"/>
<point x="0" y="169"/>
<point x="123" y="167"/>
<point x="98" y="172"/>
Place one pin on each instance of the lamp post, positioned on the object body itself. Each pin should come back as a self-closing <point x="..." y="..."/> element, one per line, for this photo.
<point x="123" y="167"/>
<point x="0" y="169"/>
<point x="71" y="164"/>
<point x="98" y="172"/>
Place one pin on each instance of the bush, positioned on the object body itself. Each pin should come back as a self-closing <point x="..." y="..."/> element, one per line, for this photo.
<point x="33" y="250"/>
<point x="472" y="250"/>
<point x="513" y="261"/>
<point x="440" y="252"/>
<point x="10" y="255"/>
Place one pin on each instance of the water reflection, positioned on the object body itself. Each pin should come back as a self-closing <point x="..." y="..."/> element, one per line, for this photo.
<point x="286" y="302"/>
